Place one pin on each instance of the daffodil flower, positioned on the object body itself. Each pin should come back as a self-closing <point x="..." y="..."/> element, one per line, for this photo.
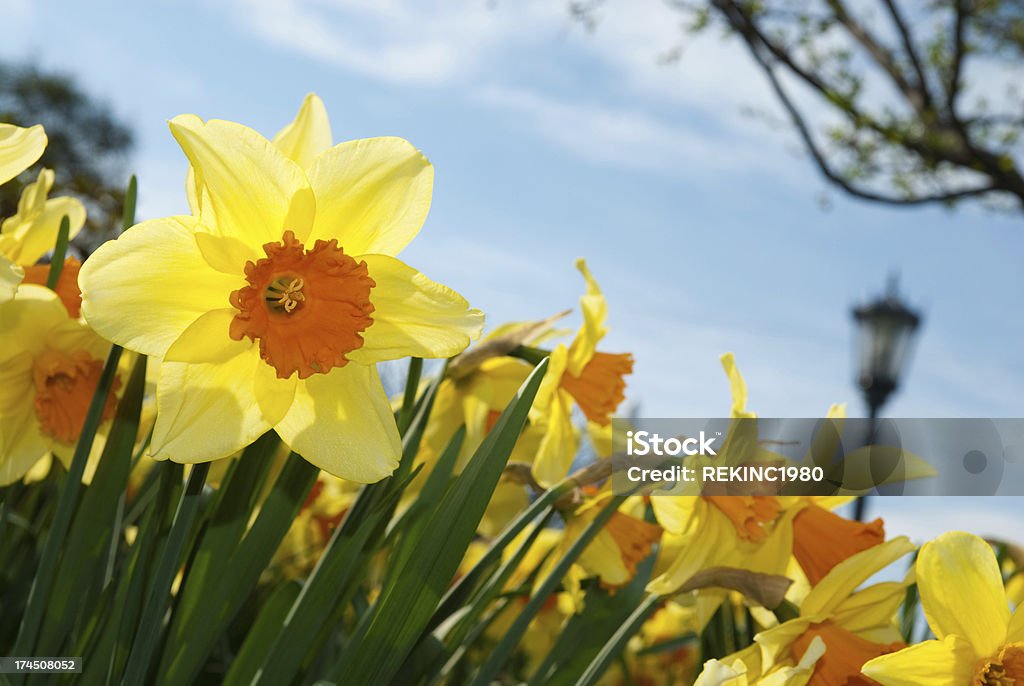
<point x="50" y="365"/>
<point x="759" y="533"/>
<point x="19" y="149"/>
<point x="978" y="642"/>
<point x="579" y="374"/>
<point x="32" y="232"/>
<point x="854" y="624"/>
<point x="613" y="554"/>
<point x="271" y="304"/>
<point x="736" y="672"/>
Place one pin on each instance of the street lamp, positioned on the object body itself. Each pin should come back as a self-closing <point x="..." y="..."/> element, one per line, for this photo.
<point x="885" y="331"/>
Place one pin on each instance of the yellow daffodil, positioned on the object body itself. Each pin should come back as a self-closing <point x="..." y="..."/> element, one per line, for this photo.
<point x="50" y="365"/>
<point x="738" y="672"/>
<point x="978" y="642"/>
<point x="480" y="386"/>
<point x="578" y="374"/>
<point x="475" y="401"/>
<point x="32" y="232"/>
<point x="19" y="149"/>
<point x="613" y="554"/>
<point x="855" y="624"/>
<point x="753" y="532"/>
<point x="271" y="304"/>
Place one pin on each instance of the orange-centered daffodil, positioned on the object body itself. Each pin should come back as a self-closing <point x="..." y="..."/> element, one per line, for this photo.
<point x="978" y="642"/>
<point x="272" y="302"/>
<point x="50" y="365"/>
<point x="579" y="373"/>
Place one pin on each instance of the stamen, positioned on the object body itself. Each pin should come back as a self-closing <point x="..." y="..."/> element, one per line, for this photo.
<point x="307" y="308"/>
<point x="285" y="293"/>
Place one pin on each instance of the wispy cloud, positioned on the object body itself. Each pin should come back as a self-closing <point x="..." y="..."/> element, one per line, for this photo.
<point x="400" y="41"/>
<point x="635" y="114"/>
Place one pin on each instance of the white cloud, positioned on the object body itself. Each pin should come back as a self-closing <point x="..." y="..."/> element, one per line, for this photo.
<point x="426" y="43"/>
<point x="479" y="50"/>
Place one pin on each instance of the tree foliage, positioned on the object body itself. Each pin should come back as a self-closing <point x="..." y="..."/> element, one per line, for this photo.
<point x="903" y="103"/>
<point x="88" y="146"/>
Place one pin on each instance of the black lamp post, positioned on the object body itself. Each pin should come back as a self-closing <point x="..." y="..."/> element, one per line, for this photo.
<point x="885" y="331"/>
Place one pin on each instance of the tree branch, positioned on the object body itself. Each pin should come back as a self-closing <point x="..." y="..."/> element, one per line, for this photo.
<point x="835" y="177"/>
<point x="908" y="44"/>
<point x="916" y="94"/>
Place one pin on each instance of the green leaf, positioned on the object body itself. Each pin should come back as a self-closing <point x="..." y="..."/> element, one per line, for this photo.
<point x="231" y="513"/>
<point x="460" y="592"/>
<point x="613" y="648"/>
<point x="412" y="386"/>
<point x="171" y="560"/>
<point x="222" y="598"/>
<point x="586" y="633"/>
<point x="130" y="198"/>
<point x="340" y="563"/>
<point x="42" y="585"/>
<point x="95" y="522"/>
<point x="260" y="638"/>
<point x="389" y="631"/>
<point x="497" y="658"/>
<point x="60" y="250"/>
<point x="414" y="520"/>
<point x="470" y="621"/>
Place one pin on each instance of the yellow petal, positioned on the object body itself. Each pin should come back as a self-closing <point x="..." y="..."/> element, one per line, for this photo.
<point x="19" y="149"/>
<point x="372" y="194"/>
<point x="872" y="607"/>
<point x="342" y="423"/>
<point x="559" y="444"/>
<point x="28" y="321"/>
<point x="255" y="192"/>
<point x="709" y="540"/>
<point x="25" y="447"/>
<point x="962" y="591"/>
<point x="776" y="643"/>
<point x="933" y="663"/>
<point x="848" y="575"/>
<point x="10" y="278"/>
<point x="717" y="673"/>
<point x="1015" y="630"/>
<point x="226" y="254"/>
<point x="32" y="232"/>
<point x="274" y="395"/>
<point x="207" y="411"/>
<point x="308" y="135"/>
<point x="21" y="443"/>
<point x="595" y="311"/>
<point x="143" y="289"/>
<point x="414" y="316"/>
<point x="207" y="339"/>
<point x="737" y="385"/>
<point x="676" y="513"/>
<point x="800" y="674"/>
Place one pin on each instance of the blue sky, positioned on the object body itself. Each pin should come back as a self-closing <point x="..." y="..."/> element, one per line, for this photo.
<point x="705" y="227"/>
